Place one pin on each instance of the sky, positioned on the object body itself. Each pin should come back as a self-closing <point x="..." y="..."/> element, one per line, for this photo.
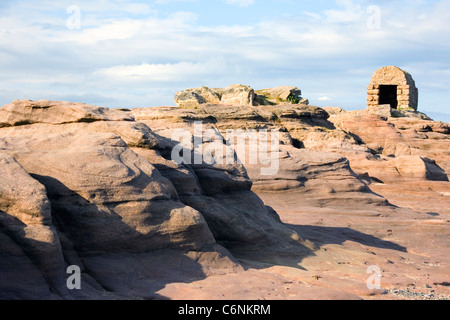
<point x="133" y="53"/>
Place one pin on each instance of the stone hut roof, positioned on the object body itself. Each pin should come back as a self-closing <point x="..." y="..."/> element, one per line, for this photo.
<point x="392" y="75"/>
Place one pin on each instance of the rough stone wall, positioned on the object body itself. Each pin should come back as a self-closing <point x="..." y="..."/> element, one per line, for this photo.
<point x="407" y="93"/>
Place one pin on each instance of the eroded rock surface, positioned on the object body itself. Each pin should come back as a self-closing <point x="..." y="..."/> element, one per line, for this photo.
<point x="100" y="194"/>
<point x="403" y="147"/>
<point x="100" y="189"/>
<point x="239" y="95"/>
<point x="31" y="255"/>
<point x="321" y="173"/>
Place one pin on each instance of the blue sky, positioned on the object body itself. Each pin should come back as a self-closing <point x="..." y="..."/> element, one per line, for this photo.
<point x="130" y="53"/>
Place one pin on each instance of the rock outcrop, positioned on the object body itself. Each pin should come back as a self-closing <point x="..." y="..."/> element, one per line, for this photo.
<point x="23" y="112"/>
<point x="238" y="95"/>
<point x="398" y="146"/>
<point x="402" y="147"/>
<point x="191" y="98"/>
<point x="103" y="195"/>
<point x="235" y="94"/>
<point x="319" y="175"/>
<point x="103" y="189"/>
<point x="31" y="255"/>
<point x="279" y="95"/>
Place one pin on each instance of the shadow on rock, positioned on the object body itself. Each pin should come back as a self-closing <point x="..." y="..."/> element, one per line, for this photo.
<point x="29" y="268"/>
<point x="338" y="235"/>
<point x="119" y="260"/>
<point x="238" y="219"/>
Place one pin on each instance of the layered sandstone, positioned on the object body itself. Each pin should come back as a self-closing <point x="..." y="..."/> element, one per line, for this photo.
<point x="99" y="194"/>
<point x="238" y="95"/>
<point x="320" y="175"/>
<point x="100" y="189"/>
<point x="401" y="148"/>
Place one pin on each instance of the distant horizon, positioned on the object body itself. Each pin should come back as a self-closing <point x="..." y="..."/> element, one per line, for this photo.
<point x="436" y="116"/>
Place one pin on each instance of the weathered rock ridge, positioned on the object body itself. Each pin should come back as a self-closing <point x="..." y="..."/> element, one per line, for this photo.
<point x="88" y="186"/>
<point x="239" y="95"/>
<point x="403" y="145"/>
<point x="100" y="189"/>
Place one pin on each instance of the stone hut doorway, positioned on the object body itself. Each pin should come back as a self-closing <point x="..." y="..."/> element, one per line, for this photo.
<point x="392" y="86"/>
<point x="388" y="95"/>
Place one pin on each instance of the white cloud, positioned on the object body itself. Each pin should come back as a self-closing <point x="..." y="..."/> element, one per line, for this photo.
<point x="168" y="1"/>
<point x="168" y="72"/>
<point x="240" y="3"/>
<point x="311" y="14"/>
<point x="351" y="12"/>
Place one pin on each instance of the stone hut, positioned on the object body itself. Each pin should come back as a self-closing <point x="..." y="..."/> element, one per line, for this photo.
<point x="392" y="86"/>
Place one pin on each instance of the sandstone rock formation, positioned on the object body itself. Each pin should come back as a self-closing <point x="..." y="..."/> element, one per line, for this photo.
<point x="23" y="112"/>
<point x="330" y="162"/>
<point x="238" y="95"/>
<point x="400" y="147"/>
<point x="319" y="175"/>
<point x="100" y="189"/>
<point x="99" y="194"/>
<point x="278" y="95"/>
<point x="191" y="98"/>
<point x="31" y="255"/>
<point x="376" y="145"/>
